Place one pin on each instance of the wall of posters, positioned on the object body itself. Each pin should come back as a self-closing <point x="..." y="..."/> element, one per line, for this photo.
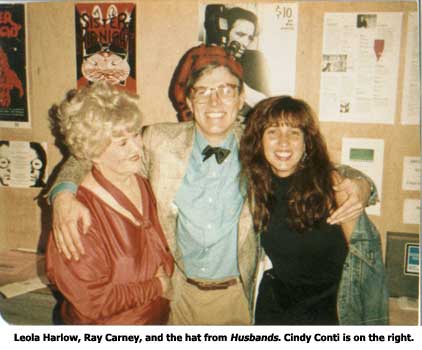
<point x="13" y="82"/>
<point x="360" y="63"/>
<point x="23" y="164"/>
<point x="106" y="44"/>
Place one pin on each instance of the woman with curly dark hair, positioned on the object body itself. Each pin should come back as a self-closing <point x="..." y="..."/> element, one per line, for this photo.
<point x="321" y="274"/>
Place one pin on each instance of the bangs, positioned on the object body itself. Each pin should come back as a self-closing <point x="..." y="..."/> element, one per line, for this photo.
<point x="294" y="119"/>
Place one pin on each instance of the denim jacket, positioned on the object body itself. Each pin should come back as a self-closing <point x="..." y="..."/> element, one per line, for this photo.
<point x="362" y="296"/>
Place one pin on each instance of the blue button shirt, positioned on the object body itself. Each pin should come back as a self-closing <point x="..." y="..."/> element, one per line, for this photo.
<point x="209" y="204"/>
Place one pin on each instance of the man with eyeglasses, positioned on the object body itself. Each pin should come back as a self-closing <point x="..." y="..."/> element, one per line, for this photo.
<point x="193" y="168"/>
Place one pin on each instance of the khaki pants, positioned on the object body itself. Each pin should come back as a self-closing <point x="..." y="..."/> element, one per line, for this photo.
<point x="210" y="307"/>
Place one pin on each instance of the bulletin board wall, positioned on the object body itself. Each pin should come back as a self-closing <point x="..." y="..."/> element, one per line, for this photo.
<point x="165" y="29"/>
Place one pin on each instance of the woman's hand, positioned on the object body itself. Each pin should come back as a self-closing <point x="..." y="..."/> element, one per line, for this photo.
<point x="67" y="211"/>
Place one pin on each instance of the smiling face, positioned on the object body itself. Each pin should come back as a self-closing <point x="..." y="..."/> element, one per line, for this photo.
<point x="215" y="115"/>
<point x="284" y="147"/>
<point x="122" y="155"/>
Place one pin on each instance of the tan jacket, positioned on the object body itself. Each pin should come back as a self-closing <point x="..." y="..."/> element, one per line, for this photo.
<point x="166" y="152"/>
<point x="167" y="149"/>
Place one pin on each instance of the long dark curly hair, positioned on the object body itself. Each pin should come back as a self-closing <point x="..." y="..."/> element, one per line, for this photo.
<point x="311" y="196"/>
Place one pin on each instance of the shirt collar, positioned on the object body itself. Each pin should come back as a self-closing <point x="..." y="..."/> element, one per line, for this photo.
<point x="201" y="142"/>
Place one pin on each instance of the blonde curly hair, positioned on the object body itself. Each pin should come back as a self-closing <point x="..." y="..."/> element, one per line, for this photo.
<point x="89" y="117"/>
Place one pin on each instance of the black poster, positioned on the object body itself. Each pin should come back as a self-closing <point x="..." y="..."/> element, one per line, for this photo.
<point x="13" y="83"/>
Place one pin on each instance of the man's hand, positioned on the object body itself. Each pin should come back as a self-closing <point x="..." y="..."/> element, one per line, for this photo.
<point x="67" y="211"/>
<point x="357" y="192"/>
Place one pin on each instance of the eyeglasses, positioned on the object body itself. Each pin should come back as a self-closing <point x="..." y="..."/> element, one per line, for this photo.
<point x="225" y="92"/>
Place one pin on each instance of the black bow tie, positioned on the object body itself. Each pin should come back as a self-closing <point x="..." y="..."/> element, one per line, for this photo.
<point x="220" y="153"/>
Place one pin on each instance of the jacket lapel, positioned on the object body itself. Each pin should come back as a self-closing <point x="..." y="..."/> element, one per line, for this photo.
<point x="179" y="151"/>
<point x="175" y="151"/>
<point x="245" y="220"/>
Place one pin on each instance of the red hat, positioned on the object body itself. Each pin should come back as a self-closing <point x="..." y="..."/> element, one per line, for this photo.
<point x="193" y="60"/>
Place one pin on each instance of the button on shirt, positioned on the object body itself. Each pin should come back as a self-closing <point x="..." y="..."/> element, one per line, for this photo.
<point x="209" y="204"/>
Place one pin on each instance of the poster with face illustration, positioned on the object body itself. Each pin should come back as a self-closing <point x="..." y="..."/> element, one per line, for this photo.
<point x="13" y="82"/>
<point x="105" y="44"/>
<point x="23" y="164"/>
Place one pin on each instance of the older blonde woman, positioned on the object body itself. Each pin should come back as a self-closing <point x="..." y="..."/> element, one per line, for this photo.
<point x="125" y="275"/>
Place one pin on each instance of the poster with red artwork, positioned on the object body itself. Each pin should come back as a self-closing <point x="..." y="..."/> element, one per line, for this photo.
<point x="13" y="81"/>
<point x="105" y="44"/>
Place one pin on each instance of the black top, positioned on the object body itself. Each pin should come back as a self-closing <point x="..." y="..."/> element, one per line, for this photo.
<point x="306" y="270"/>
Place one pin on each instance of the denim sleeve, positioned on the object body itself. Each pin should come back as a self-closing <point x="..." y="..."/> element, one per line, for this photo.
<point x="363" y="295"/>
